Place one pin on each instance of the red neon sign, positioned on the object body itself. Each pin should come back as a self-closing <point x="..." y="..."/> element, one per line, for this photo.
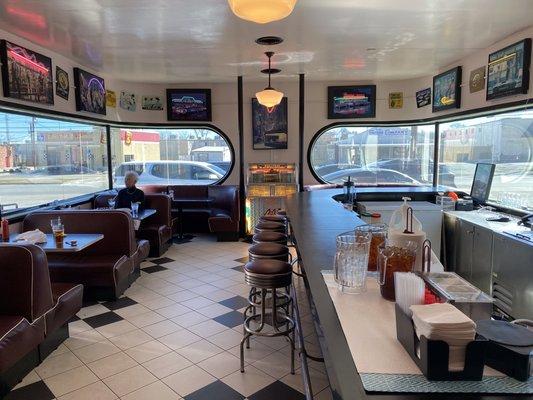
<point x="26" y="60"/>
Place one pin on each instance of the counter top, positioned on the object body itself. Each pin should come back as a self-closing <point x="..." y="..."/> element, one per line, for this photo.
<point x="316" y="219"/>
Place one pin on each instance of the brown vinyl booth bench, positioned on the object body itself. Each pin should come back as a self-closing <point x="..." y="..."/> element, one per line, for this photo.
<point x="221" y="217"/>
<point x="34" y="312"/>
<point x="107" y="268"/>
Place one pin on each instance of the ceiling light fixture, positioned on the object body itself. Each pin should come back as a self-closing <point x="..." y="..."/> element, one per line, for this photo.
<point x="269" y="97"/>
<point x="262" y="11"/>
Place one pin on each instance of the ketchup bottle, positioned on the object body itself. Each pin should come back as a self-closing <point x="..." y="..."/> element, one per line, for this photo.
<point x="4" y="224"/>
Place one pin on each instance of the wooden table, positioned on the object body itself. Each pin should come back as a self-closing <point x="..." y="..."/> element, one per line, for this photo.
<point x="178" y="203"/>
<point x="84" y="240"/>
<point x="147" y="212"/>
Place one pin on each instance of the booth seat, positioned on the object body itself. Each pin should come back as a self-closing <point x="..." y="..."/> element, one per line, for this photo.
<point x="104" y="268"/>
<point x="34" y="312"/>
<point x="155" y="233"/>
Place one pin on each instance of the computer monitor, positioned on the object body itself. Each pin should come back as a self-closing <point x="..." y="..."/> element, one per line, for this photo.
<point x="482" y="182"/>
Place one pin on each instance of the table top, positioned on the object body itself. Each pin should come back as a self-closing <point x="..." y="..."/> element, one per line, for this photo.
<point x="315" y="220"/>
<point x="83" y="240"/>
<point x="147" y="212"/>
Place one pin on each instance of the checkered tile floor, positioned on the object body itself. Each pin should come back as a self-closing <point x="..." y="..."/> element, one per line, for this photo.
<point x="175" y="334"/>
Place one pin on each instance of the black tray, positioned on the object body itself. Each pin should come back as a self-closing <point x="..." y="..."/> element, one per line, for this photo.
<point x="433" y="360"/>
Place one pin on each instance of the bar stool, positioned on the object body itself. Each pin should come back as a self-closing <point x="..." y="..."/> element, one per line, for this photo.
<point x="273" y="218"/>
<point x="267" y="276"/>
<point x="268" y="250"/>
<point x="270" y="237"/>
<point x="269" y="226"/>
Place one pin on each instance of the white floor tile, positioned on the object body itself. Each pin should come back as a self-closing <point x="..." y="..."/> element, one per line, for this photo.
<point x="188" y="380"/>
<point x="129" y="380"/>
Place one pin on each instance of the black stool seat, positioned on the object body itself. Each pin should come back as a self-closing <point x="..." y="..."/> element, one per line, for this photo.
<point x="273" y="218"/>
<point x="268" y="249"/>
<point x="269" y="226"/>
<point x="281" y="212"/>
<point x="271" y="237"/>
<point x="268" y="267"/>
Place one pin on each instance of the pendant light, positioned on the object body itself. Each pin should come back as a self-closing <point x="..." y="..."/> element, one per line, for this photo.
<point x="269" y="97"/>
<point x="262" y="11"/>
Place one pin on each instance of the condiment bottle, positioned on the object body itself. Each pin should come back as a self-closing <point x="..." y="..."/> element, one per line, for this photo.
<point x="4" y="224"/>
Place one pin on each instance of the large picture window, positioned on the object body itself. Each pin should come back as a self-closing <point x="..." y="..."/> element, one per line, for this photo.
<point x="171" y="156"/>
<point x="505" y="140"/>
<point x="376" y="156"/>
<point x="43" y="160"/>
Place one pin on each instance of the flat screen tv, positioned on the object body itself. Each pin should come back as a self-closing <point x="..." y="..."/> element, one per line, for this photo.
<point x="508" y="71"/>
<point x="482" y="182"/>
<point x="26" y="75"/>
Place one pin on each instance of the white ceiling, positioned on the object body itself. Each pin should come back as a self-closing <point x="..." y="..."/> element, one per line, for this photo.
<point x="202" y="41"/>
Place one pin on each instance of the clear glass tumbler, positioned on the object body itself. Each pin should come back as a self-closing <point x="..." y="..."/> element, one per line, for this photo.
<point x="351" y="262"/>
<point x="378" y="234"/>
<point x="134" y="209"/>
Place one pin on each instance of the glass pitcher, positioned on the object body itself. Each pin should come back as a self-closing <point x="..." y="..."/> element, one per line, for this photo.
<point x="351" y="260"/>
<point x="393" y="259"/>
<point x="378" y="234"/>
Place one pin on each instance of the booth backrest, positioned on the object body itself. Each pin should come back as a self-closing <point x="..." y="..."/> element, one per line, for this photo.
<point x="115" y="225"/>
<point x="25" y="288"/>
<point x="225" y="198"/>
<point x="189" y="191"/>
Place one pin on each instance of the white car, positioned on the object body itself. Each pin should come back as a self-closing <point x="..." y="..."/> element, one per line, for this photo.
<point x="168" y="172"/>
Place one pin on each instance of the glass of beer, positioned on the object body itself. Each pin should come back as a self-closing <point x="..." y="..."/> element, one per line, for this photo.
<point x="59" y="233"/>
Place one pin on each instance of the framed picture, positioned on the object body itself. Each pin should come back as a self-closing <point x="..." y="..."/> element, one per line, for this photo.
<point x="189" y="104"/>
<point x="351" y="102"/>
<point x="62" y="83"/>
<point x="26" y="75"/>
<point x="477" y="80"/>
<point x="90" y="92"/>
<point x="396" y="100"/>
<point x="423" y="98"/>
<point x="269" y="126"/>
<point x="447" y="90"/>
<point x="508" y="71"/>
<point x="128" y="101"/>
<point x="110" y="98"/>
<point x="152" y="103"/>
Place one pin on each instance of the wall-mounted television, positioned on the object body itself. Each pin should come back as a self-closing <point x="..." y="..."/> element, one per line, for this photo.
<point x="508" y="71"/>
<point x="189" y="104"/>
<point x="26" y="75"/>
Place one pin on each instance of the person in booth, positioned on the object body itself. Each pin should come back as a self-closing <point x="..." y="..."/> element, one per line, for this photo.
<point x="130" y="193"/>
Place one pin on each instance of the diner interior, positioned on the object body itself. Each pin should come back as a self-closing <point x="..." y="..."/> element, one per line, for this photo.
<point x="266" y="199"/>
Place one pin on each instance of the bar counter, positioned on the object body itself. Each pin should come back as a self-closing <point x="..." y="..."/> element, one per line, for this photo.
<point x="316" y="219"/>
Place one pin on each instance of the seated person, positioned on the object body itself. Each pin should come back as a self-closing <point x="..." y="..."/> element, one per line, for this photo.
<point x="130" y="193"/>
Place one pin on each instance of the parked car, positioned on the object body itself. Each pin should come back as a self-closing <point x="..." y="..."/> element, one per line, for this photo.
<point x="369" y="177"/>
<point x="413" y="168"/>
<point x="167" y="172"/>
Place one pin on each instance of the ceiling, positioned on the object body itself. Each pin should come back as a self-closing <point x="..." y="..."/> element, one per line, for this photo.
<point x="202" y="41"/>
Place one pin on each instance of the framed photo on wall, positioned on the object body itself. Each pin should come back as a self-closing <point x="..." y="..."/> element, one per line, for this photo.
<point x="26" y="75"/>
<point x="447" y="90"/>
<point x="423" y="98"/>
<point x="90" y="92"/>
<point x="508" y="71"/>
<point x="346" y="102"/>
<point x="477" y="80"/>
<point x="62" y="83"/>
<point x="189" y="104"/>
<point x="269" y="126"/>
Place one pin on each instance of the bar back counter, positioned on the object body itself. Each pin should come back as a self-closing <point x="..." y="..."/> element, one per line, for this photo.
<point x="316" y="219"/>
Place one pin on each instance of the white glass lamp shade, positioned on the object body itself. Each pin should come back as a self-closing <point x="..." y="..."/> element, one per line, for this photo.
<point x="262" y="11"/>
<point x="269" y="97"/>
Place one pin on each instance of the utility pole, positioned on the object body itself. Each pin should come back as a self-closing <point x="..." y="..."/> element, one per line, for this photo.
<point x="32" y="138"/>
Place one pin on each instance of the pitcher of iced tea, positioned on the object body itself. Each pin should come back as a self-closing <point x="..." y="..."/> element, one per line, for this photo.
<point x="393" y="259"/>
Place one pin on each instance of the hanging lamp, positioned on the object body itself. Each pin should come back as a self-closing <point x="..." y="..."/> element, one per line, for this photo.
<point x="269" y="97"/>
<point x="262" y="11"/>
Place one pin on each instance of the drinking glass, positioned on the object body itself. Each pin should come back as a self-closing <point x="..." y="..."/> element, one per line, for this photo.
<point x="351" y="261"/>
<point x="135" y="209"/>
<point x="378" y="233"/>
<point x="171" y="193"/>
<point x="391" y="259"/>
<point x="59" y="233"/>
<point x="54" y="222"/>
<point x="111" y="202"/>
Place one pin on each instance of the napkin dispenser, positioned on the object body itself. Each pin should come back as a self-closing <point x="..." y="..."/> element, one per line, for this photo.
<point x="463" y="295"/>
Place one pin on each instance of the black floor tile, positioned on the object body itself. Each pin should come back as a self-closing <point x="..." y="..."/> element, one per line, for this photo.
<point x="37" y="390"/>
<point x="74" y="319"/>
<point x="103" y="319"/>
<point x="217" y="390"/>
<point x="235" y="303"/>
<point x="120" y="303"/>
<point x="279" y="391"/>
<point x="242" y="260"/>
<point x="161" y="260"/>
<point x="155" y="268"/>
<point x="231" y="319"/>
<point x="88" y="303"/>
<point x="239" y="268"/>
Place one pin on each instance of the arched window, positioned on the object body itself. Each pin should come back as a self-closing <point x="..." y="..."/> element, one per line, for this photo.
<point x="171" y="156"/>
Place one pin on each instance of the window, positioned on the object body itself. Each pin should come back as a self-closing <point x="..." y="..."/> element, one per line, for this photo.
<point x="171" y="156"/>
<point x="370" y="156"/>
<point x="43" y="160"/>
<point x="505" y="140"/>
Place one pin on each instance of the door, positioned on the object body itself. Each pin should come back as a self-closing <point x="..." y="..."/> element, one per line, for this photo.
<point x="465" y="242"/>
<point x="482" y="259"/>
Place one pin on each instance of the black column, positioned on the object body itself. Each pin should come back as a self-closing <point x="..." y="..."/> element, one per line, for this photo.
<point x="301" y="108"/>
<point x="109" y="156"/>
<point x="240" y="116"/>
